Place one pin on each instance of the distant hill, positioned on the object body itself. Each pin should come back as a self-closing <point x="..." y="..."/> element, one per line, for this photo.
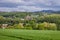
<point x="49" y="11"/>
<point x="42" y="11"/>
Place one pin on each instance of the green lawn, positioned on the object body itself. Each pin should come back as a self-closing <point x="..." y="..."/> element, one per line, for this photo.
<point x="16" y="34"/>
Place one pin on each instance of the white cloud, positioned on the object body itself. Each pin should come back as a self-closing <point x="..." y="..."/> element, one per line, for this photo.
<point x="14" y="1"/>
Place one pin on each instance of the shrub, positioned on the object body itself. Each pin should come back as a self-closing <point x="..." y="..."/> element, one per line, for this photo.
<point x="18" y="26"/>
<point x="47" y="26"/>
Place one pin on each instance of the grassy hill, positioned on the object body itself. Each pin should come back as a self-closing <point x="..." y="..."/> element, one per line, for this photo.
<point x="17" y="34"/>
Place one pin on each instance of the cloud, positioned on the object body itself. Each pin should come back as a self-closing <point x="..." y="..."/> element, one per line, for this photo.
<point x="29" y="5"/>
<point x="12" y="1"/>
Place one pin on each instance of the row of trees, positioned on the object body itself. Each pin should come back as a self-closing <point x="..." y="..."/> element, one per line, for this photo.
<point x="40" y="26"/>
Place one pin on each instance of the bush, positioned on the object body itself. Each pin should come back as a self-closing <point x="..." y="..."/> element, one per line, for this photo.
<point x="47" y="26"/>
<point x="52" y="26"/>
<point x="18" y="26"/>
<point x="28" y="26"/>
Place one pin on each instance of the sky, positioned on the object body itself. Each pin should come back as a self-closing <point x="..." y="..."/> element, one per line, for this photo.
<point x="29" y="5"/>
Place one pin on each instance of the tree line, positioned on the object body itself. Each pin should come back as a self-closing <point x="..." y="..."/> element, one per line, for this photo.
<point x="29" y="20"/>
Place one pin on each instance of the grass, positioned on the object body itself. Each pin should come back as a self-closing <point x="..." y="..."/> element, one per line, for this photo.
<point x="16" y="34"/>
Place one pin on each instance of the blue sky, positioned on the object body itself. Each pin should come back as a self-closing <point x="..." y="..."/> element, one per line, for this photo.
<point x="29" y="5"/>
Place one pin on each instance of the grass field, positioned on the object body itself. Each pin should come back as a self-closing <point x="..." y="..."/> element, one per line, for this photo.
<point x="16" y="34"/>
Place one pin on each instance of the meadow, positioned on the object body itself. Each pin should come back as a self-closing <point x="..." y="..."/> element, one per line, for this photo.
<point x="17" y="34"/>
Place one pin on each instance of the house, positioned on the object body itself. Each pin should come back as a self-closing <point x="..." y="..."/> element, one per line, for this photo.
<point x="3" y="26"/>
<point x="22" y="19"/>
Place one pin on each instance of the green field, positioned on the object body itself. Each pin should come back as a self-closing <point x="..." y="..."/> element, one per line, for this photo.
<point x="16" y="34"/>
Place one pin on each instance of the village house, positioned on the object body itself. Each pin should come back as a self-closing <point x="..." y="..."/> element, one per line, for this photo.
<point x="3" y="26"/>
